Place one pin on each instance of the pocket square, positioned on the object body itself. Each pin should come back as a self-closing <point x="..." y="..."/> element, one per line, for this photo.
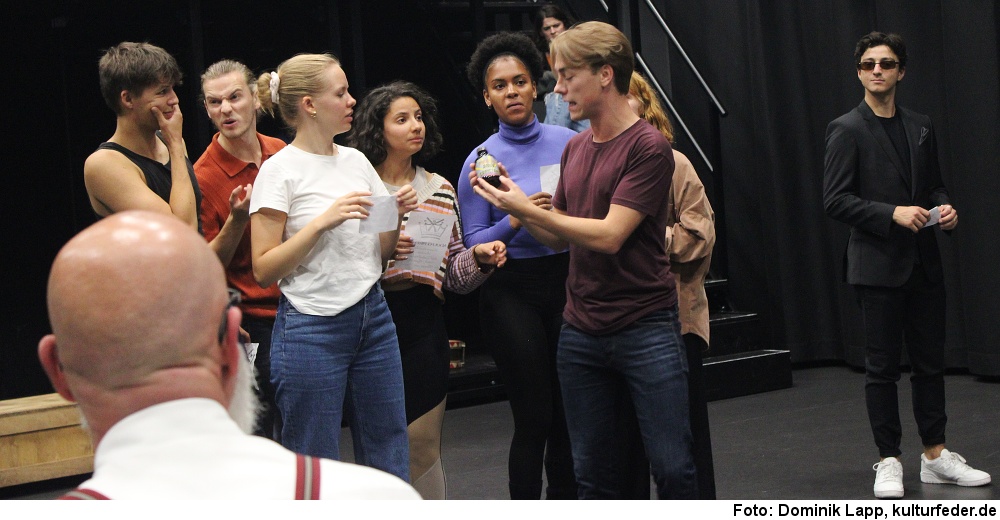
<point x="923" y="135"/>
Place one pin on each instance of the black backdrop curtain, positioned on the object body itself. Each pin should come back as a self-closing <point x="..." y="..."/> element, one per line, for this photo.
<point x="784" y="70"/>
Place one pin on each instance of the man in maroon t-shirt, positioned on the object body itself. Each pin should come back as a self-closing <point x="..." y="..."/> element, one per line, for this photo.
<point x="610" y="209"/>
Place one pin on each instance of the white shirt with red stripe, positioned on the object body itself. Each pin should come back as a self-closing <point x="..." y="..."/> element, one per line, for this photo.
<point x="192" y="449"/>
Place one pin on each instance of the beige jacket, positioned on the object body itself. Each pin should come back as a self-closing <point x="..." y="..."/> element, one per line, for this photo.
<point x="690" y="239"/>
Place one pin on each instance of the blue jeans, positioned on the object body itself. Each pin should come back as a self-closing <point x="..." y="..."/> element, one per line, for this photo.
<point x="324" y="367"/>
<point x="649" y="357"/>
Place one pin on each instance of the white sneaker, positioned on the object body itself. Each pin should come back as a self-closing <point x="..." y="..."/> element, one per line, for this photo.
<point x="950" y="468"/>
<point x="888" y="478"/>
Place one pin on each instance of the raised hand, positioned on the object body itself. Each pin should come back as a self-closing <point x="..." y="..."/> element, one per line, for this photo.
<point x="239" y="202"/>
<point x="406" y="199"/>
<point x="353" y="205"/>
<point x="491" y="253"/>
<point x="542" y="200"/>
<point x="508" y="197"/>
<point x="172" y="128"/>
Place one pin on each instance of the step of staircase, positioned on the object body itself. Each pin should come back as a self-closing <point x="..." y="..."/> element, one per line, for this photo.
<point x="733" y="332"/>
<point x="746" y="373"/>
<point x="735" y="364"/>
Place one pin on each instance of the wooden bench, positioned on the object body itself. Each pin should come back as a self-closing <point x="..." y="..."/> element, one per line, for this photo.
<point x="41" y="438"/>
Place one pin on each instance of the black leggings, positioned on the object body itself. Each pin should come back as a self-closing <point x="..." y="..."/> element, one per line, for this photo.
<point x="521" y="309"/>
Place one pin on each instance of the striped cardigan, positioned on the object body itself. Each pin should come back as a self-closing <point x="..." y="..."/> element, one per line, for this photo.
<point x="458" y="271"/>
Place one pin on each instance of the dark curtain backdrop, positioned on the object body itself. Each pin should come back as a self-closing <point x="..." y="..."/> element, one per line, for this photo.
<point x="784" y="70"/>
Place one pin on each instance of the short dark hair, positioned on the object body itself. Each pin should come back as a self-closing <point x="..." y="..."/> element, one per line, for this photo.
<point x="550" y="11"/>
<point x="368" y="132"/>
<point x="516" y="45"/>
<point x="133" y="67"/>
<point x="875" y="38"/>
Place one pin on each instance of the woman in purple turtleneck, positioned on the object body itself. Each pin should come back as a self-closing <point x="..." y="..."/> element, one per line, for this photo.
<point x="521" y="305"/>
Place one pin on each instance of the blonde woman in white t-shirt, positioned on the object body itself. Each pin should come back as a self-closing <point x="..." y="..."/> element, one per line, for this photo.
<point x="334" y="351"/>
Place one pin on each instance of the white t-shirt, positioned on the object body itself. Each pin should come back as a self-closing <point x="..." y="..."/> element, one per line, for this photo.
<point x="345" y="263"/>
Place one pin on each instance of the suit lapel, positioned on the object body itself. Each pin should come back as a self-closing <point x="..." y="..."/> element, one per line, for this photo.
<point x="882" y="138"/>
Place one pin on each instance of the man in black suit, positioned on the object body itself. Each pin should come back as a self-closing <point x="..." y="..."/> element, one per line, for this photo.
<point x="882" y="178"/>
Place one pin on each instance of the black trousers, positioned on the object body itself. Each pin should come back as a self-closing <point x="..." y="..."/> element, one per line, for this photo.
<point x="521" y="309"/>
<point x="269" y="420"/>
<point x="912" y="315"/>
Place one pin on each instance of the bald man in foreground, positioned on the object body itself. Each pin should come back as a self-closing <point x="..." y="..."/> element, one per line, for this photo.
<point x="145" y="340"/>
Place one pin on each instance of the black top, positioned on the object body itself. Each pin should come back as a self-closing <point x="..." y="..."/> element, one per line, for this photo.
<point x="894" y="127"/>
<point x="157" y="174"/>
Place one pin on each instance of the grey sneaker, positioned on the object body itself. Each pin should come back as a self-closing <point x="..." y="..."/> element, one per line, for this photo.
<point x="888" y="478"/>
<point x="950" y="468"/>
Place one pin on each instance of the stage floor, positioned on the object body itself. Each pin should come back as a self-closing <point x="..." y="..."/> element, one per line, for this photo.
<point x="808" y="442"/>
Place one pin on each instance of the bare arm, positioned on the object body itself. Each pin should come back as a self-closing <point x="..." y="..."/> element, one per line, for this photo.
<point x="225" y="242"/>
<point x="274" y="259"/>
<point x="182" y="200"/>
<point x="116" y="184"/>
<point x="555" y="228"/>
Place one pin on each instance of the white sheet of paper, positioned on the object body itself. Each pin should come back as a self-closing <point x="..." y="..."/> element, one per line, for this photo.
<point x="251" y="351"/>
<point x="382" y="215"/>
<point x="549" y="177"/>
<point x="935" y="216"/>
<point x="431" y="233"/>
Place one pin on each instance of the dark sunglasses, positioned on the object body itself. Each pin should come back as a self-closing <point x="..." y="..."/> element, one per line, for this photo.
<point x="234" y="300"/>
<point x="886" y="64"/>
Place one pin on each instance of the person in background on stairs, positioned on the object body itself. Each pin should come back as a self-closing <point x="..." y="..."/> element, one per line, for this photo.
<point x="396" y="128"/>
<point x="521" y="305"/>
<point x="882" y="178"/>
<point x="550" y="21"/>
<point x="690" y="239"/>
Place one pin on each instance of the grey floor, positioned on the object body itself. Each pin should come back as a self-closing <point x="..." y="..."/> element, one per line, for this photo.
<point x="811" y="441"/>
<point x="807" y="442"/>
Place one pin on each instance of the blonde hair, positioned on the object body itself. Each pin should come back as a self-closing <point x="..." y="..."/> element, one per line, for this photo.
<point x="650" y="108"/>
<point x="299" y="76"/>
<point x="223" y="67"/>
<point x="594" y="45"/>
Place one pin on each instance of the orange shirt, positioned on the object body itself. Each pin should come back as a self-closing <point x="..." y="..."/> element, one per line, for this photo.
<point x="219" y="173"/>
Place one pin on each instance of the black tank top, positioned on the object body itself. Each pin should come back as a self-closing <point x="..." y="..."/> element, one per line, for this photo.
<point x="157" y="174"/>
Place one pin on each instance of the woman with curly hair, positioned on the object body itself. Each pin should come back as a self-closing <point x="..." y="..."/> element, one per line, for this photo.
<point x="396" y="128"/>
<point x="334" y="351"/>
<point x="521" y="306"/>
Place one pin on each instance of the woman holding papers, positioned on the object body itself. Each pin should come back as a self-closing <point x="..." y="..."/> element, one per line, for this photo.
<point x="396" y="129"/>
<point x="334" y="348"/>
<point x="521" y="307"/>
